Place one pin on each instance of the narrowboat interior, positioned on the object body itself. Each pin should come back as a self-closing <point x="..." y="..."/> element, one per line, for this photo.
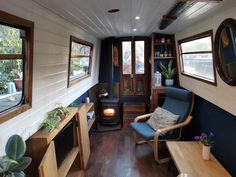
<point x="117" y="88"/>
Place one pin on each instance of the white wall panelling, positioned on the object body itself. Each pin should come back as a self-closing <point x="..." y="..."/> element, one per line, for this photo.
<point x="222" y="95"/>
<point x="51" y="52"/>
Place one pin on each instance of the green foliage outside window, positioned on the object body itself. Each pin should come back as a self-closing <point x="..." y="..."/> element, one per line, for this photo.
<point x="10" y="43"/>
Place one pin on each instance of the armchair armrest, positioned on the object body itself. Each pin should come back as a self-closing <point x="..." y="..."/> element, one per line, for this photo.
<point x="142" y="117"/>
<point x="173" y="127"/>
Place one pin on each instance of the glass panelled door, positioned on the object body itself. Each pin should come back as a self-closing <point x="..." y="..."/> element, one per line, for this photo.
<point x="133" y="68"/>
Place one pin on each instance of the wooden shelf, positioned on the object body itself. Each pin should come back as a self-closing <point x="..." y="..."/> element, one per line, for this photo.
<point x="90" y="122"/>
<point x="164" y="58"/>
<point x="49" y="136"/>
<point x="67" y="162"/>
<point x="76" y="160"/>
<point x="88" y="106"/>
<point x="158" y="48"/>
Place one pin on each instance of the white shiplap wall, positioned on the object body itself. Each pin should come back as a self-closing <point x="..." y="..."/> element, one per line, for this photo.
<point x="51" y="49"/>
<point x="222" y="95"/>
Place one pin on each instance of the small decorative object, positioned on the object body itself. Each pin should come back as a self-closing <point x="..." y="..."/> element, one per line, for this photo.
<point x="170" y="53"/>
<point x="102" y="93"/>
<point x="86" y="100"/>
<point x="157" y="54"/>
<point x="207" y="143"/>
<point x="156" y="41"/>
<point x="157" y="77"/>
<point x="161" y="52"/>
<point x="54" y="117"/>
<point x="168" y="41"/>
<point x="168" y="73"/>
<point x="163" y="40"/>
<point x="14" y="163"/>
<point x="165" y="53"/>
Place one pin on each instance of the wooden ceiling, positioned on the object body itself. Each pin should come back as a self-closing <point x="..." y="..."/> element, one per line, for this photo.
<point x="92" y="15"/>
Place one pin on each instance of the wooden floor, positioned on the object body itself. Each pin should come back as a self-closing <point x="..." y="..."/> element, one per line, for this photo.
<point x="114" y="154"/>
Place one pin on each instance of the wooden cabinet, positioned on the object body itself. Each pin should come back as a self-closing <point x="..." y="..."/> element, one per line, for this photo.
<point x="163" y="50"/>
<point x="156" y="96"/>
<point x="42" y="149"/>
<point x="131" y="111"/>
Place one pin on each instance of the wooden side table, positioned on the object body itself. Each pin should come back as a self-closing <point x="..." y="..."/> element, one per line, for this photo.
<point x="187" y="156"/>
<point x="156" y="91"/>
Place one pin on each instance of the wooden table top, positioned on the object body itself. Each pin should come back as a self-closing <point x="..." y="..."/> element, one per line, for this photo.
<point x="187" y="156"/>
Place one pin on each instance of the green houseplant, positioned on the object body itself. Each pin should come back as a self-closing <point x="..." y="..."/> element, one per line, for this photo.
<point x="14" y="162"/>
<point x="54" y="117"/>
<point x="168" y="73"/>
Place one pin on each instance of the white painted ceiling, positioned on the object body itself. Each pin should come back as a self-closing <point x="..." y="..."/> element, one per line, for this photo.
<point x="92" y="15"/>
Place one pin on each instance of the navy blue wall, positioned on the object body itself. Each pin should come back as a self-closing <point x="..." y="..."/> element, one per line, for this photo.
<point x="80" y="100"/>
<point x="208" y="117"/>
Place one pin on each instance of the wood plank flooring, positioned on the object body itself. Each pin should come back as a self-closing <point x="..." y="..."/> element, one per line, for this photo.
<point x="114" y="154"/>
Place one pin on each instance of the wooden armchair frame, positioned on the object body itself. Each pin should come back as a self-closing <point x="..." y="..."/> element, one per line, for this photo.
<point x="156" y="139"/>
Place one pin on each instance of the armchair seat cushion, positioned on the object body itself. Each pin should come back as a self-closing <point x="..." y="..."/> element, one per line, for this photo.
<point x="147" y="132"/>
<point x="143" y="129"/>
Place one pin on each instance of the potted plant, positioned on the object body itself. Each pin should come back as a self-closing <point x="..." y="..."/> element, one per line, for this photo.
<point x="13" y="164"/>
<point x="168" y="73"/>
<point x="54" y="117"/>
<point x="18" y="81"/>
<point x="207" y="142"/>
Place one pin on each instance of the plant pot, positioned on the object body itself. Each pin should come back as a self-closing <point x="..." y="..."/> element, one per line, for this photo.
<point x="18" y="83"/>
<point x="206" y="152"/>
<point x="169" y="82"/>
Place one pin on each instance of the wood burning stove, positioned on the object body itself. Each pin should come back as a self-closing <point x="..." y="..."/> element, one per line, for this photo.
<point x="109" y="111"/>
<point x="109" y="106"/>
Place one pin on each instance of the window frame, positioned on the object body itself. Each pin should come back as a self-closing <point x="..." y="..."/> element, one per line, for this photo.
<point x="28" y="26"/>
<point x="86" y="43"/>
<point x="208" y="33"/>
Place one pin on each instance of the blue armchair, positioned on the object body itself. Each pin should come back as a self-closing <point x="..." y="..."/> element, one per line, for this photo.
<point x="177" y="101"/>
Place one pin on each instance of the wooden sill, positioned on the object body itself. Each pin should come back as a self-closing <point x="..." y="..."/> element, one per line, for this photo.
<point x="67" y="162"/>
<point x="75" y="81"/>
<point x="6" y="115"/>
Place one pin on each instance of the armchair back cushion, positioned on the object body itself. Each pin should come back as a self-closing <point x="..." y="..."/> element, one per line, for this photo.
<point x="178" y="101"/>
<point x="162" y="118"/>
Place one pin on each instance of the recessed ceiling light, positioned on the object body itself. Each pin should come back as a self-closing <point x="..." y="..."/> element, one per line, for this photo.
<point x="113" y="11"/>
<point x="137" y="18"/>
<point x="134" y="29"/>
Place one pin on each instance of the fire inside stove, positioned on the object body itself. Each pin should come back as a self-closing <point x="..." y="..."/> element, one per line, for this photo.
<point x="109" y="112"/>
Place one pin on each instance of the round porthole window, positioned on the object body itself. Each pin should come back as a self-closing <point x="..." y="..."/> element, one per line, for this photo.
<point x="225" y="51"/>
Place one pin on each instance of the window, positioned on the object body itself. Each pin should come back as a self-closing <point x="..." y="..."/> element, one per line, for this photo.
<point x="197" y="57"/>
<point x="139" y="57"/>
<point x="127" y="57"/>
<point x="80" y="59"/>
<point x="16" y="51"/>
